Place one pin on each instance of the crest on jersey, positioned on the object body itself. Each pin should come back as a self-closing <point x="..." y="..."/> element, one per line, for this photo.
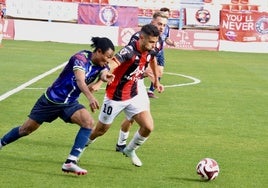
<point x="108" y="15"/>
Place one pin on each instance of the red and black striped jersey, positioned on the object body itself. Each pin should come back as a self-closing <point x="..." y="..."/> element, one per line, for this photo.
<point x="132" y="64"/>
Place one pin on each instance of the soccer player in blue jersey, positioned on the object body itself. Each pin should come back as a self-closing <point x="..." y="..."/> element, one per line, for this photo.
<point x="61" y="99"/>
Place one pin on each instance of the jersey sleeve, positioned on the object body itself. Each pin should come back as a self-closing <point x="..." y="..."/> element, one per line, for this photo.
<point x="168" y="31"/>
<point x="124" y="54"/>
<point x="106" y="68"/>
<point x="79" y="62"/>
<point x="134" y="38"/>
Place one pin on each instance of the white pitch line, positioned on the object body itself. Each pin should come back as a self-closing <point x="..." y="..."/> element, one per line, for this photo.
<point x="25" y="85"/>
<point x="21" y="87"/>
<point x="195" y="80"/>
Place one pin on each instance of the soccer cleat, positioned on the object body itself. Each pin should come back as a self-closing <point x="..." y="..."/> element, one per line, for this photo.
<point x="120" y="148"/>
<point x="72" y="167"/>
<point x="151" y="95"/>
<point x="132" y="155"/>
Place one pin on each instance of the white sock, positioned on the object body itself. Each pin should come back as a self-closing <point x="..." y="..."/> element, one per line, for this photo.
<point x="122" y="138"/>
<point x="72" y="158"/>
<point x="90" y="141"/>
<point x="136" y="141"/>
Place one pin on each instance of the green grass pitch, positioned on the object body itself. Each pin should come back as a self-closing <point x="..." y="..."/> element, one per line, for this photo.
<point x="223" y="117"/>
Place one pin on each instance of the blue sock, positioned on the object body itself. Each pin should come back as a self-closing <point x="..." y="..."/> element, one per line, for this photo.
<point x="80" y="141"/>
<point x="151" y="87"/>
<point x="11" y="136"/>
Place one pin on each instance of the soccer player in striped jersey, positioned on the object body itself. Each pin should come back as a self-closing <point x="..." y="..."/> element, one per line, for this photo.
<point x="61" y="99"/>
<point x="123" y="93"/>
<point x="160" y="19"/>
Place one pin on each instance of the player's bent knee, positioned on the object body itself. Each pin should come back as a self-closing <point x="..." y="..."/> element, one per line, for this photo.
<point x="146" y="130"/>
<point x="150" y="129"/>
<point x="89" y="124"/>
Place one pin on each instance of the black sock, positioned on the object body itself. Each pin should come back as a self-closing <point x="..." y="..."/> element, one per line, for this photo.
<point x="70" y="161"/>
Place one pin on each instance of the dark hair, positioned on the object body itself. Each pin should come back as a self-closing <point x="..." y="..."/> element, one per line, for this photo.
<point x="150" y="30"/>
<point x="102" y="43"/>
<point x="164" y="9"/>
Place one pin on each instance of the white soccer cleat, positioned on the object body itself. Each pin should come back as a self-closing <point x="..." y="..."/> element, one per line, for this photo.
<point x="73" y="168"/>
<point x="134" y="158"/>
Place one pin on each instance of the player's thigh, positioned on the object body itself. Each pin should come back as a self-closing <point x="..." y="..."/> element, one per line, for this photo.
<point x="110" y="109"/>
<point x="138" y="104"/>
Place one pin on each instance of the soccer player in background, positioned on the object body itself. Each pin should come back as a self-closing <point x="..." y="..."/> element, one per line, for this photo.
<point x="165" y="32"/>
<point x="61" y="99"/>
<point x="160" y="56"/>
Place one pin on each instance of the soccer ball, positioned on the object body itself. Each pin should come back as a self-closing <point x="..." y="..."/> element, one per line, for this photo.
<point x="208" y="169"/>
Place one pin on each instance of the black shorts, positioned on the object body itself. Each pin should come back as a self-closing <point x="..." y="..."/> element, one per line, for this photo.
<point x="46" y="111"/>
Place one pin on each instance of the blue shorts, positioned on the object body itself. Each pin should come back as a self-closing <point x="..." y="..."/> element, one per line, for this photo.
<point x="46" y="111"/>
<point x="160" y="58"/>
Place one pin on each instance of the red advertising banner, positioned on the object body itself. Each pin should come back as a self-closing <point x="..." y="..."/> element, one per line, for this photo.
<point x="8" y="30"/>
<point x="244" y="26"/>
<point x="195" y="39"/>
<point x="184" y="39"/>
<point x="108" y="15"/>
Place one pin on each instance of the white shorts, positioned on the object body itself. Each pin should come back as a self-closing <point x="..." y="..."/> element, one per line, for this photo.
<point x="111" y="108"/>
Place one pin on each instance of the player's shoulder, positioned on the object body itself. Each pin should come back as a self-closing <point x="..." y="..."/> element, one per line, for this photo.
<point x="126" y="53"/>
<point x="137" y="34"/>
<point x="83" y="55"/>
<point x="128" y="49"/>
<point x="135" y="37"/>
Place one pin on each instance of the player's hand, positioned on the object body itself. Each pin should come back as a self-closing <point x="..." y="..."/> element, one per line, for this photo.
<point x="160" y="88"/>
<point x="110" y="78"/>
<point x="94" y="87"/>
<point x="93" y="104"/>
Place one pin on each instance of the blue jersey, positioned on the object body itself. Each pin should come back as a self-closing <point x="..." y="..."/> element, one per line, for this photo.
<point x="166" y="33"/>
<point x="64" y="89"/>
